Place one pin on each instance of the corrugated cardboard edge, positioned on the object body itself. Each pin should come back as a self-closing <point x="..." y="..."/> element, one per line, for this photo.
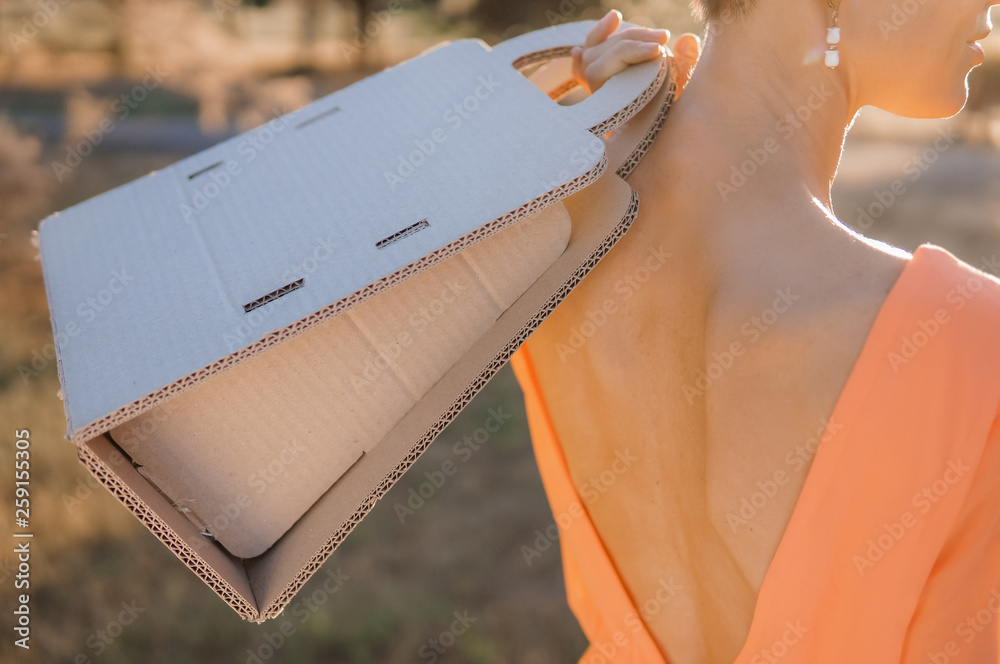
<point x="55" y="335"/>
<point x="207" y="573"/>
<point x="501" y="358"/>
<point x="172" y="540"/>
<point x="167" y="392"/>
<point x="640" y="150"/>
<point x="619" y="118"/>
<point x="276" y="337"/>
<point x="159" y="527"/>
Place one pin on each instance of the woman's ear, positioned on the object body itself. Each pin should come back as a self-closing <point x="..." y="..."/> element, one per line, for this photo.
<point x="687" y="50"/>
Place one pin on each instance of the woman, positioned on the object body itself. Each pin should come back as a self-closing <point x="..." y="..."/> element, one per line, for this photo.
<point x="781" y="442"/>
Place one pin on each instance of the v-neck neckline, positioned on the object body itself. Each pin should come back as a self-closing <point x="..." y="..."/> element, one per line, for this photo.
<point x="862" y="373"/>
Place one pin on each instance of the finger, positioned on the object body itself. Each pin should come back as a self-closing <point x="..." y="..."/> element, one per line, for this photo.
<point x="616" y="60"/>
<point x="604" y="28"/>
<point x="640" y="34"/>
<point x="594" y="53"/>
<point x="687" y="50"/>
<point x="577" y="56"/>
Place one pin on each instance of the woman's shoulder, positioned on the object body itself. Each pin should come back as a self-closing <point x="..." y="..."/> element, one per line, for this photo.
<point x="969" y="287"/>
<point x="946" y="318"/>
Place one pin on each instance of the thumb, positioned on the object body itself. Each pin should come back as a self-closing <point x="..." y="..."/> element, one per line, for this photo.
<point x="687" y="50"/>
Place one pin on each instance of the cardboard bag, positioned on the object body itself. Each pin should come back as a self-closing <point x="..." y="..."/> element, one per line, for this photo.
<point x="284" y="346"/>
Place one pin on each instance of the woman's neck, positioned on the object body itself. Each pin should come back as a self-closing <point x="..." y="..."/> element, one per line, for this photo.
<point x="763" y="116"/>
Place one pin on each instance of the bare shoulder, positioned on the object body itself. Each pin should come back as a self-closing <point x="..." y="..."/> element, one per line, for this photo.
<point x="806" y="313"/>
<point x="830" y="269"/>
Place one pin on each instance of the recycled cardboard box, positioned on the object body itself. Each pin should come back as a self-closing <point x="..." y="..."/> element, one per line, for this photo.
<point x="303" y="308"/>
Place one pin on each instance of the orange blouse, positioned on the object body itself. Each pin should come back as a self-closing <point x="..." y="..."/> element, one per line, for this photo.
<point x="892" y="553"/>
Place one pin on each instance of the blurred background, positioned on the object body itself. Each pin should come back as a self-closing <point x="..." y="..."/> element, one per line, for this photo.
<point x="95" y="93"/>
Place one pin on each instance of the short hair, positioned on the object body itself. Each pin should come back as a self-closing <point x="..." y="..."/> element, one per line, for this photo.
<point x="727" y="10"/>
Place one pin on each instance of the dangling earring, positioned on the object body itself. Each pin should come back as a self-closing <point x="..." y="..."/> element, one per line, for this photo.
<point x="832" y="39"/>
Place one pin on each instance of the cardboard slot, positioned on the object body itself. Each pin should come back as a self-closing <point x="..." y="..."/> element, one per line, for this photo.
<point x="600" y="217"/>
<point x="273" y="295"/>
<point x="271" y="217"/>
<point x="213" y="431"/>
<point x="256" y="445"/>
<point x="205" y="170"/>
<point x="261" y="587"/>
<point x="304" y="123"/>
<point x="399" y="235"/>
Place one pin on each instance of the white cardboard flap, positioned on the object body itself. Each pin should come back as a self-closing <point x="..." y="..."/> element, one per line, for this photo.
<point x="219" y="411"/>
<point x="601" y="111"/>
<point x="339" y="194"/>
<point x="274" y="433"/>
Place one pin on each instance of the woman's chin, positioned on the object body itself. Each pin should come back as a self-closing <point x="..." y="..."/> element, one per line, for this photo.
<point x="932" y="106"/>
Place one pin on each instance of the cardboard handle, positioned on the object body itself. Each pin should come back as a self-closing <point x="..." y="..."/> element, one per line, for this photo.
<point x="615" y="102"/>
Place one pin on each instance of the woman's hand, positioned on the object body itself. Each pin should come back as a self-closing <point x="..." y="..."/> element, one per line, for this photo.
<point x="608" y="52"/>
